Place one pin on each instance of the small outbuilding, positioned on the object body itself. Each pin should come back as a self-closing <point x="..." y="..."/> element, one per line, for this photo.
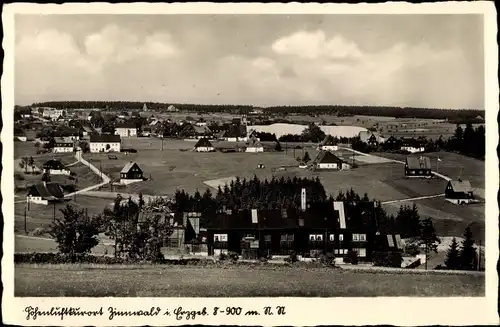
<point x="328" y="161"/>
<point x="45" y="193"/>
<point x="55" y="167"/>
<point x="131" y="173"/>
<point x="204" y="145"/>
<point x="459" y="192"/>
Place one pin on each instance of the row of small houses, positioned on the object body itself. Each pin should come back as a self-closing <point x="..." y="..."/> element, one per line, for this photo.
<point x="411" y="145"/>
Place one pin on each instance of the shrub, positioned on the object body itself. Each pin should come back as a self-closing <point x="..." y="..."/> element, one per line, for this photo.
<point x="387" y="259"/>
<point x="292" y="257"/>
<point x="223" y="256"/>
<point x="352" y="257"/>
<point x="327" y="259"/>
<point x="233" y="256"/>
<point x="39" y="232"/>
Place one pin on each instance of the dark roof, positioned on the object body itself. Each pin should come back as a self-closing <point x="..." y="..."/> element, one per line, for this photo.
<point x="236" y="131"/>
<point x="105" y="138"/>
<point x="53" y="164"/>
<point x="412" y="142"/>
<point x="327" y="157"/>
<point x="126" y="124"/>
<point x="203" y="142"/>
<point x="418" y="162"/>
<point x="328" y="140"/>
<point x="129" y="166"/>
<point x="48" y="191"/>
<point x="461" y="186"/>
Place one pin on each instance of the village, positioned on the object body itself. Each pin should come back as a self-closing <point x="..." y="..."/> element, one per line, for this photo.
<point x="327" y="198"/>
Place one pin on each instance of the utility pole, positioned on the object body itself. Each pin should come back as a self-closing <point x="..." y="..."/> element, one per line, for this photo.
<point x="162" y="142"/>
<point x="76" y="188"/>
<point x="25" y="227"/>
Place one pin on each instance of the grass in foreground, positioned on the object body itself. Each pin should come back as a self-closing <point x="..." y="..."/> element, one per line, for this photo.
<point x="171" y="281"/>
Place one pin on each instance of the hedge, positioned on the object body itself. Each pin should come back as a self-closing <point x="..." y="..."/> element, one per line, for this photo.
<point x="387" y="259"/>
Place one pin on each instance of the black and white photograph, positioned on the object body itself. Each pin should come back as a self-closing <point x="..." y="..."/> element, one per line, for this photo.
<point x="274" y="154"/>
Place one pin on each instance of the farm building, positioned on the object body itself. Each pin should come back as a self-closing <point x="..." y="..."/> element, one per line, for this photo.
<point x="391" y="143"/>
<point x="203" y="145"/>
<point x="55" y="167"/>
<point x="418" y="167"/>
<point x="254" y="146"/>
<point x="196" y="132"/>
<point x="327" y="160"/>
<point x="62" y="145"/>
<point x="131" y="173"/>
<point x="328" y="144"/>
<point x="105" y="143"/>
<point x="459" y="192"/>
<point x="236" y="133"/>
<point x="45" y="193"/>
<point x="412" y="145"/>
<point x="330" y="227"/>
<point x="126" y="129"/>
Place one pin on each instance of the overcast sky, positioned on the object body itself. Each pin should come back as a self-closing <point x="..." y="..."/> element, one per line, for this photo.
<point x="432" y="61"/>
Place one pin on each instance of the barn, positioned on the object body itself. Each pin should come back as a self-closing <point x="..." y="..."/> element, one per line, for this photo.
<point x="55" y="167"/>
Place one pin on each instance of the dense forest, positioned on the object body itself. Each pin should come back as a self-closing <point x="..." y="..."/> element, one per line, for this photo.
<point x="339" y="110"/>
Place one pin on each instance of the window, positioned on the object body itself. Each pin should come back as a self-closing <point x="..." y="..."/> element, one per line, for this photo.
<point x="341" y="237"/>
<point x="220" y="237"/>
<point x="359" y="237"/>
<point x="319" y="237"/>
<point x="284" y="213"/>
<point x="316" y="237"/>
<point x="312" y="237"/>
<point x="361" y="252"/>
<point x="331" y="237"/>
<point x="267" y="238"/>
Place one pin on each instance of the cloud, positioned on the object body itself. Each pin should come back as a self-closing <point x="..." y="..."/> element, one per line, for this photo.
<point x="315" y="45"/>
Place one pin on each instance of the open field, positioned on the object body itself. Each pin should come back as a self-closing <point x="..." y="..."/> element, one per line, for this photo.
<point x="38" y="244"/>
<point x="41" y="216"/>
<point x="168" y="281"/>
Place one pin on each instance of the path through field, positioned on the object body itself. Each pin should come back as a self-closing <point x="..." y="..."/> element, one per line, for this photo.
<point x="105" y="179"/>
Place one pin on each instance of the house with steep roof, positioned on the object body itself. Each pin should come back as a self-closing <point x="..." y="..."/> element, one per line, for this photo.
<point x="204" y="145"/>
<point x="105" y="143"/>
<point x="55" y="167"/>
<point x="418" y="167"/>
<point x="459" y="192"/>
<point x="131" y="173"/>
<point x="328" y="144"/>
<point x="326" y="160"/>
<point x="45" y="193"/>
<point x="254" y="146"/>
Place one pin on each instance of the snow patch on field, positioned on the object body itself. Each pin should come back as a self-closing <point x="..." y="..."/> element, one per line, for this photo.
<point x="215" y="183"/>
<point x="281" y="129"/>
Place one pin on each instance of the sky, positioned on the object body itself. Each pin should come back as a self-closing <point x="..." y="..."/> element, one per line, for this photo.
<point x="430" y="61"/>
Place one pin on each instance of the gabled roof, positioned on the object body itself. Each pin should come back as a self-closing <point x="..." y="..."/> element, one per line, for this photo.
<point x="201" y="129"/>
<point x="129" y="166"/>
<point x="254" y="143"/>
<point x="48" y="191"/>
<point x="461" y="186"/>
<point x="328" y="140"/>
<point x="105" y="138"/>
<point x="203" y="142"/>
<point x="327" y="157"/>
<point x="418" y="162"/>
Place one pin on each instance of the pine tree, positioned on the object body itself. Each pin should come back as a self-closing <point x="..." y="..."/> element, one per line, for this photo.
<point x="306" y="157"/>
<point x="468" y="255"/>
<point x="428" y="238"/>
<point x="452" y="260"/>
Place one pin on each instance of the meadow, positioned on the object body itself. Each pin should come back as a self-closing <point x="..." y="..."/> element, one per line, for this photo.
<point x="238" y="281"/>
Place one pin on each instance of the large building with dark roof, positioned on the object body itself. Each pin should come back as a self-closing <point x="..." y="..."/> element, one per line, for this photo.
<point x="45" y="193"/>
<point x="418" y="167"/>
<point x="105" y="143"/>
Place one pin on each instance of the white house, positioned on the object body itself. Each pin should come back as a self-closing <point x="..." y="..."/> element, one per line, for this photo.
<point x="204" y="145"/>
<point x="254" y="146"/>
<point x="51" y="113"/>
<point x="105" y="143"/>
<point x="327" y="160"/>
<point x="63" y="145"/>
<point x="328" y="144"/>
<point x="55" y="167"/>
<point x="412" y="146"/>
<point x="126" y="130"/>
<point x="45" y="193"/>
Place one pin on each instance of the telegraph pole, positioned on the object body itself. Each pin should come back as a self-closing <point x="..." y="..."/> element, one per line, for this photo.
<point x="25" y="227"/>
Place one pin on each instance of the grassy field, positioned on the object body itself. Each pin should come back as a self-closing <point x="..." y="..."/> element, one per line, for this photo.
<point x="41" y="216"/>
<point x="41" y="281"/>
<point x="38" y="244"/>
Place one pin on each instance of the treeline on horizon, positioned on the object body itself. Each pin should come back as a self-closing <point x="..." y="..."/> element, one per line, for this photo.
<point x="454" y="115"/>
